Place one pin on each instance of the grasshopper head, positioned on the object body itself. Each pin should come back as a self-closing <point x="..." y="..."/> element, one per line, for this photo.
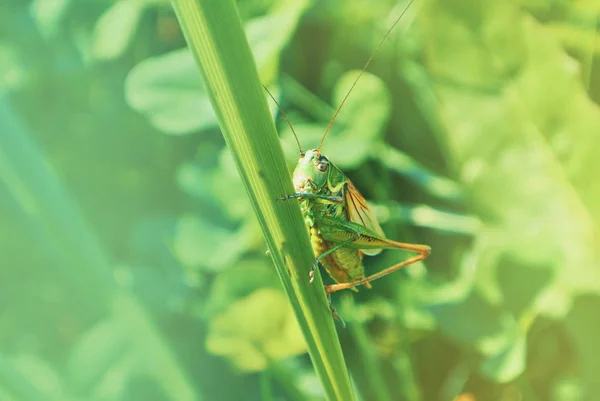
<point x="311" y="172"/>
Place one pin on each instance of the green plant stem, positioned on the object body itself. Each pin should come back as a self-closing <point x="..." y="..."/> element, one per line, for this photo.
<point x="215" y="36"/>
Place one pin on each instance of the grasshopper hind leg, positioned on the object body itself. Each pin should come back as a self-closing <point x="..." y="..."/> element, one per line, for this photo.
<point x="423" y="250"/>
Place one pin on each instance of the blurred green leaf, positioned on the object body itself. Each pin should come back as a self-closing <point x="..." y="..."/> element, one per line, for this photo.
<point x="477" y="322"/>
<point x="220" y="184"/>
<point x="208" y="241"/>
<point x="576" y="38"/>
<point x="475" y="62"/>
<point x="41" y="375"/>
<point x="267" y="35"/>
<point x="168" y="88"/>
<point x="508" y="364"/>
<point x="200" y="243"/>
<point x="568" y="389"/>
<point x="48" y="15"/>
<point x="115" y="28"/>
<point x="507" y="144"/>
<point x="98" y="350"/>
<point x="113" y="352"/>
<point x="239" y="281"/>
<point x="12" y="74"/>
<point x="256" y="330"/>
<point x="19" y="381"/>
<point x="402" y="163"/>
<point x="519" y="145"/>
<point x="584" y="329"/>
<point x="227" y="187"/>
<point x="520" y="286"/>
<point x="425" y="216"/>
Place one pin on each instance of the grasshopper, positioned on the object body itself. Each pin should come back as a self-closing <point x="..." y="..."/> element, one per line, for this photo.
<point x="342" y="227"/>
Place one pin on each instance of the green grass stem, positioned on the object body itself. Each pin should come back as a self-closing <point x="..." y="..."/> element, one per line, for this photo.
<point x="215" y="35"/>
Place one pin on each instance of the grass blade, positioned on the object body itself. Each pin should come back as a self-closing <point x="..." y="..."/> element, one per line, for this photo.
<point x="215" y="35"/>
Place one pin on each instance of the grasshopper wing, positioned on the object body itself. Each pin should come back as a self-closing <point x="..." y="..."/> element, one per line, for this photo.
<point x="358" y="212"/>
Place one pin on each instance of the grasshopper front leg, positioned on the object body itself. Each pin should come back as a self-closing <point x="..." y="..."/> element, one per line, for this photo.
<point x="309" y="195"/>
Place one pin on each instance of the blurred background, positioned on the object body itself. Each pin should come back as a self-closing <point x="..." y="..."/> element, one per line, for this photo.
<point x="133" y="267"/>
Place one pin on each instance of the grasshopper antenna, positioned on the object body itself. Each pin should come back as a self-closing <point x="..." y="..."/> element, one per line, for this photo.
<point x="286" y="119"/>
<point x="363" y="71"/>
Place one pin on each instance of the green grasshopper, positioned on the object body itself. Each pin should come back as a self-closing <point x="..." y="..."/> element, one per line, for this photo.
<point x="342" y="227"/>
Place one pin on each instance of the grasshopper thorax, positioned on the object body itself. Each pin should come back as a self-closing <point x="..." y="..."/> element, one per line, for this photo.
<point x="311" y="172"/>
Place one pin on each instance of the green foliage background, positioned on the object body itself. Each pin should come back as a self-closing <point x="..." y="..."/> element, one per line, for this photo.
<point x="134" y="269"/>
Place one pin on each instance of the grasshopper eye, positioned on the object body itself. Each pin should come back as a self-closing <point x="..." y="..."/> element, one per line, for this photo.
<point x="322" y="166"/>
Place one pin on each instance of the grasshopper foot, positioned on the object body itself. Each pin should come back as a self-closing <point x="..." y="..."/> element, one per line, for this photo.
<point x="334" y="313"/>
<point x="311" y="274"/>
